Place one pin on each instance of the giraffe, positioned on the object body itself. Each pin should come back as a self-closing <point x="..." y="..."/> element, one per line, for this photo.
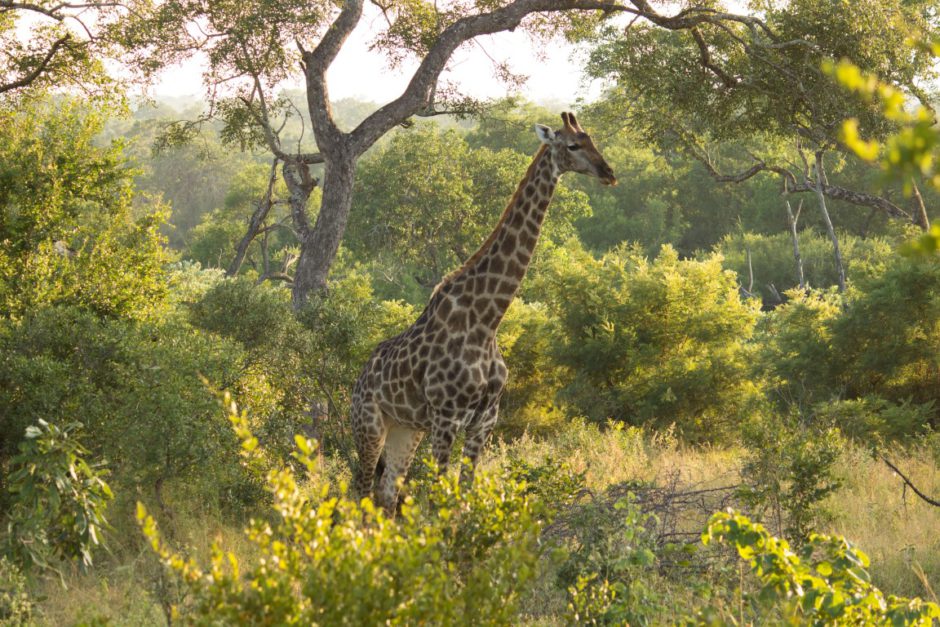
<point x="445" y="373"/>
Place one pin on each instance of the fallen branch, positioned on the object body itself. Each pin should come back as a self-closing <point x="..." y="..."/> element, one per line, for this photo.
<point x="913" y="487"/>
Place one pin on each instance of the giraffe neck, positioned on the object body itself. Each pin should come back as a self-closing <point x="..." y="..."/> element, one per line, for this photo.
<point x="489" y="280"/>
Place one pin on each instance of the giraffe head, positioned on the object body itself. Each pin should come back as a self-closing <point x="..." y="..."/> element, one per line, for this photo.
<point x="574" y="151"/>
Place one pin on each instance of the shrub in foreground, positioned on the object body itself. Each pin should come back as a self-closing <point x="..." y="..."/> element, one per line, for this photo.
<point x="331" y="560"/>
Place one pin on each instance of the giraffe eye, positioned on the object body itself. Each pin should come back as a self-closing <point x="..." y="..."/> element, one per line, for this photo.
<point x="574" y="147"/>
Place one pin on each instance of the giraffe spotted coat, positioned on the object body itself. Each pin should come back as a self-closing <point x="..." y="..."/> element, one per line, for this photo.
<point x="444" y="373"/>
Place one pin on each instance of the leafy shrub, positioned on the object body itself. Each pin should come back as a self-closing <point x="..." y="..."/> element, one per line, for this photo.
<point x="825" y="583"/>
<point x="330" y="560"/>
<point x="70" y="230"/>
<point x="888" y="340"/>
<point x="616" y="549"/>
<point x="16" y="606"/>
<point x="795" y="340"/>
<point x="788" y="471"/>
<point x="656" y="343"/>
<point x="135" y="386"/>
<point x="882" y="341"/>
<point x="871" y="419"/>
<point x="56" y="500"/>
<point x="528" y="402"/>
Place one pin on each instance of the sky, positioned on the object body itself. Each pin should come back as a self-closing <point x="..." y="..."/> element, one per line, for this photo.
<point x="364" y="75"/>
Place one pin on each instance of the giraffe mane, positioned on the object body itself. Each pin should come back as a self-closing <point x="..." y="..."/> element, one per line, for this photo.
<point x="489" y="240"/>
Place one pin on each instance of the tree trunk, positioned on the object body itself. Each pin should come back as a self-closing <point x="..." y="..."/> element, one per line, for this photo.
<point x="836" y="252"/>
<point x="319" y="245"/>
<point x="919" y="213"/>
<point x="792" y="219"/>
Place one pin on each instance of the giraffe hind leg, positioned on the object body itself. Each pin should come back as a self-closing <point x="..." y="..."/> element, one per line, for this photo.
<point x="370" y="432"/>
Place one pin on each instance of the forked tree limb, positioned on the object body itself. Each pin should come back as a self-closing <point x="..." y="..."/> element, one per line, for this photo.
<point x="913" y="487"/>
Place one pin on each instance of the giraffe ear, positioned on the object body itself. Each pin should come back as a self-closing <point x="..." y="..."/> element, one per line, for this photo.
<point x="545" y="134"/>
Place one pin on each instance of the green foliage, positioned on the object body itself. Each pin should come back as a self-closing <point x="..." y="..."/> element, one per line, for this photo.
<point x="70" y="231"/>
<point x="135" y="386"/>
<point x="525" y="339"/>
<point x="55" y="500"/>
<point x="888" y="340"/>
<point x="788" y="471"/>
<point x="825" y="583"/>
<point x="614" y="547"/>
<point x="16" y="606"/>
<point x="871" y="420"/>
<point x="331" y="560"/>
<point x="650" y="342"/>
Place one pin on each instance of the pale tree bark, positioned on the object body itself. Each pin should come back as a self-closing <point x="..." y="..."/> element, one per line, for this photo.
<point x="792" y="220"/>
<point x="920" y="210"/>
<point x="820" y="185"/>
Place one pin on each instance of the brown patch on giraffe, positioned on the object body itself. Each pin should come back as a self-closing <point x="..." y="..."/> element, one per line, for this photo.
<point x="513" y="269"/>
<point x="509" y="244"/>
<point x="496" y="265"/>
<point x="443" y="309"/>
<point x="507" y="287"/>
<point x="457" y="321"/>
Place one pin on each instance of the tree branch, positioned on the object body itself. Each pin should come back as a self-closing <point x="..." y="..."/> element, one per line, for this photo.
<point x="793" y="186"/>
<point x="418" y="92"/>
<point x="39" y="69"/>
<point x="316" y="63"/>
<point x="913" y="487"/>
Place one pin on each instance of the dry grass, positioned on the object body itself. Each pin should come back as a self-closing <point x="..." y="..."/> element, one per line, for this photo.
<point x="899" y="531"/>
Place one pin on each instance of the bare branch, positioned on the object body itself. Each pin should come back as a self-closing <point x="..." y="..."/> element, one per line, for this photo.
<point x="913" y="487"/>
<point x="254" y="223"/>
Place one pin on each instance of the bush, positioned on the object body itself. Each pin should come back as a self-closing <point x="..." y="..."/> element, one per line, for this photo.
<point x="788" y="471"/>
<point x="331" y="560"/>
<point x="772" y="259"/>
<point x="137" y="388"/>
<point x="888" y="340"/>
<point x="70" y="231"/>
<point x="826" y="583"/>
<point x="16" y="606"/>
<point x="55" y="500"/>
<point x="655" y="343"/>
<point x="882" y="340"/>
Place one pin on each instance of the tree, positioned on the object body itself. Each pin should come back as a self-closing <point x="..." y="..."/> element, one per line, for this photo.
<point x="47" y="43"/>
<point x="759" y="83"/>
<point x="251" y="50"/>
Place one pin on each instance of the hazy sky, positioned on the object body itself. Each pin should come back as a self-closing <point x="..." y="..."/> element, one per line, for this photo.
<point x="359" y="73"/>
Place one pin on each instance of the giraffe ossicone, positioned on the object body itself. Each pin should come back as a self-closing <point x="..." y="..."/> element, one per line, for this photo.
<point x="445" y="373"/>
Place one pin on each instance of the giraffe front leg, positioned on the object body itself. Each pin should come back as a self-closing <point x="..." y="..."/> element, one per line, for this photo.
<point x="400" y="447"/>
<point x="478" y="434"/>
